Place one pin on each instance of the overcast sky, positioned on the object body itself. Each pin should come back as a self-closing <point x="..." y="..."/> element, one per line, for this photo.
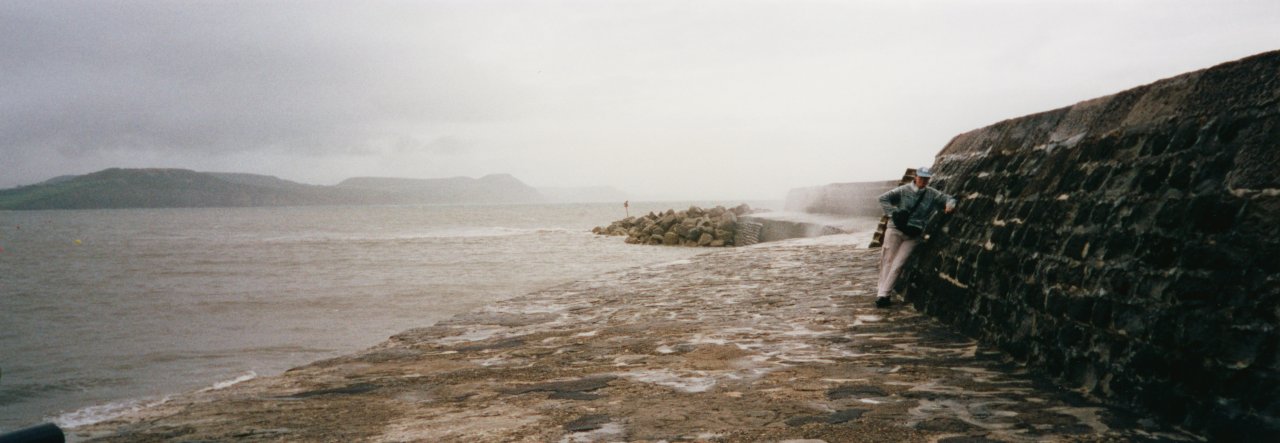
<point x="661" y="99"/>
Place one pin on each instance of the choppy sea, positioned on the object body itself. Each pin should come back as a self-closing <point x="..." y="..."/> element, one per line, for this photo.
<point x="106" y="311"/>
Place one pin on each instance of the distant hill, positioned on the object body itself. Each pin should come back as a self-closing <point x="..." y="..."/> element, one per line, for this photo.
<point x="58" y="179"/>
<point x="176" y="188"/>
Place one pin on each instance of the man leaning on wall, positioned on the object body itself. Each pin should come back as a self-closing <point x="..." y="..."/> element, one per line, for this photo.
<point x="909" y="207"/>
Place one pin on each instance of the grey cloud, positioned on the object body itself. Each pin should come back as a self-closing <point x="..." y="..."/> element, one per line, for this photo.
<point x="718" y="97"/>
<point x="218" y="76"/>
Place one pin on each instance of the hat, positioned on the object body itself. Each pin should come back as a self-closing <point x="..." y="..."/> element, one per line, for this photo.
<point x="924" y="172"/>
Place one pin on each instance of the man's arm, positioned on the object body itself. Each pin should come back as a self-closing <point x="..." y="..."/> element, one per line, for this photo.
<point x="889" y="200"/>
<point x="950" y="205"/>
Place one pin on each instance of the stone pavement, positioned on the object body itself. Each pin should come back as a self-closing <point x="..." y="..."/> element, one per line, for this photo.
<point x="774" y="342"/>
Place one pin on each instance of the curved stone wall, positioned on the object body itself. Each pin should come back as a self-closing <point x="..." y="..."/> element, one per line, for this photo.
<point x="858" y="199"/>
<point x="1128" y="246"/>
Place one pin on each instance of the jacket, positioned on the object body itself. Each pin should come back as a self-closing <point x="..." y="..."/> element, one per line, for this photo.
<point x="904" y="197"/>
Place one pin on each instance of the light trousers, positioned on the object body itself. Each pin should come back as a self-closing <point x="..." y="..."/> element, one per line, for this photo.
<point x="893" y="253"/>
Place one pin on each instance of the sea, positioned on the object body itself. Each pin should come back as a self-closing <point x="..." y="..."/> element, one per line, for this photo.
<point x="105" y="312"/>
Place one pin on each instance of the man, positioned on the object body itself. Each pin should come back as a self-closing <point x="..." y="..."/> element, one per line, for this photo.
<point x="909" y="208"/>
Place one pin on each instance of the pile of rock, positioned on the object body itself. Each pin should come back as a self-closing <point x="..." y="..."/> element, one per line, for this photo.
<point x="693" y="227"/>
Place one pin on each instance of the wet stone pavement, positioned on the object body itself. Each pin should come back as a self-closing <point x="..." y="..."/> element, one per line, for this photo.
<point x="774" y="342"/>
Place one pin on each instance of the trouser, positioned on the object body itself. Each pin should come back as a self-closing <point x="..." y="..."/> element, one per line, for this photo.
<point x="893" y="253"/>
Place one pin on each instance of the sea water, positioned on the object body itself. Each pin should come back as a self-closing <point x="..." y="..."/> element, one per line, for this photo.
<point x="106" y="311"/>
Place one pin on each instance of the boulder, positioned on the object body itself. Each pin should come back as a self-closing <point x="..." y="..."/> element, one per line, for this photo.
<point x="705" y="239"/>
<point x="680" y="230"/>
<point x="671" y="239"/>
<point x="692" y="227"/>
<point x="667" y="221"/>
<point x="693" y="234"/>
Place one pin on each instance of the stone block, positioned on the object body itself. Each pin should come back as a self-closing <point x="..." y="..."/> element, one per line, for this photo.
<point x="1080" y="309"/>
<point x="1135" y="261"/>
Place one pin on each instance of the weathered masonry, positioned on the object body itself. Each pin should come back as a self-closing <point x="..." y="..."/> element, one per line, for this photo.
<point x="1128" y="246"/>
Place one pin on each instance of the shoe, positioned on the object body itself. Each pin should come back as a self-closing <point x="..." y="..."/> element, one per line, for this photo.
<point x="883" y="302"/>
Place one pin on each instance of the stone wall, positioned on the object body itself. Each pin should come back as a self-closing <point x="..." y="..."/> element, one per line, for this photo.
<point x="1128" y="246"/>
<point x="754" y="229"/>
<point x="839" y="198"/>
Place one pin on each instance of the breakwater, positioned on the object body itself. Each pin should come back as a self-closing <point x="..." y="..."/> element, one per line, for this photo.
<point x="720" y="226"/>
<point x="857" y="199"/>
<point x="695" y="226"/>
<point x="770" y="343"/>
<point x="1128" y="246"/>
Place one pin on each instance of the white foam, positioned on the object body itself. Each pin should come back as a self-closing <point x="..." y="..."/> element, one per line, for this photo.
<point x="100" y="413"/>
<point x="666" y="377"/>
<point x="607" y="432"/>
<point x="470" y="335"/>
<point x="854" y="239"/>
<point x="671" y="263"/>
<point x="492" y="361"/>
<point x="110" y="411"/>
<point x="868" y="318"/>
<point x="700" y="339"/>
<point x="250" y="375"/>
<point x="801" y="331"/>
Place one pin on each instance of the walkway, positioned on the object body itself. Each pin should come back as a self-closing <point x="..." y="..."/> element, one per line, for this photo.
<point x="774" y="342"/>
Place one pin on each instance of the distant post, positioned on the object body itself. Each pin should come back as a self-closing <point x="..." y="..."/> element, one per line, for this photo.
<point x="626" y="206"/>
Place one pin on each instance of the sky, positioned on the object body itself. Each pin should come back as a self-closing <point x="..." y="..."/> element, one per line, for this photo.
<point x="660" y="99"/>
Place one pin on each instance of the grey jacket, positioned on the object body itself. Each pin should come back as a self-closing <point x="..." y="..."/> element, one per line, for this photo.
<point x="904" y="197"/>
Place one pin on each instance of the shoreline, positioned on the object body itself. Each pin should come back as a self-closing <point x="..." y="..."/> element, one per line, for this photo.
<point x="771" y="342"/>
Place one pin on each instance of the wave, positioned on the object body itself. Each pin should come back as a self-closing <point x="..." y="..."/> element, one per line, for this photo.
<point x="479" y="232"/>
<point x="15" y="394"/>
<point x="100" y="413"/>
<point x="110" y="411"/>
<point x="250" y="375"/>
<point x="433" y="234"/>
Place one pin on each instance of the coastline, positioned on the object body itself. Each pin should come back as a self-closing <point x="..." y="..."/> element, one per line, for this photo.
<point x="773" y="342"/>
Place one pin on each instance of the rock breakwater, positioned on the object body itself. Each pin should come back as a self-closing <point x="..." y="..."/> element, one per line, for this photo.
<point x="695" y="226"/>
<point x="768" y="343"/>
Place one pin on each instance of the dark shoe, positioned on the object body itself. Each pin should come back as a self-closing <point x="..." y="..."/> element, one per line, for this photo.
<point x="883" y="302"/>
